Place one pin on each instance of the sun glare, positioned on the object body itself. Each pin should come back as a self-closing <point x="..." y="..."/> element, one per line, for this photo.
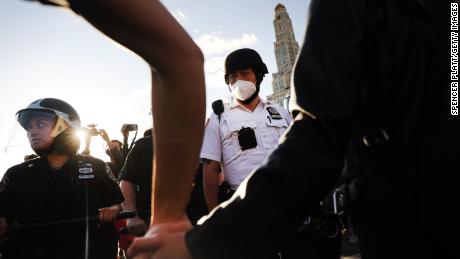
<point x="81" y="134"/>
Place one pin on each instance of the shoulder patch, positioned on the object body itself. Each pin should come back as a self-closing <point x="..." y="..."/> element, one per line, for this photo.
<point x="85" y="171"/>
<point x="274" y="113"/>
<point x="4" y="182"/>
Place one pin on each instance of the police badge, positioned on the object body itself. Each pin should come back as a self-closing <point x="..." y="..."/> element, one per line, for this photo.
<point x="85" y="171"/>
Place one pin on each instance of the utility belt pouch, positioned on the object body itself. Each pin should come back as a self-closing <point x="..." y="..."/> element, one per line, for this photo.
<point x="247" y="138"/>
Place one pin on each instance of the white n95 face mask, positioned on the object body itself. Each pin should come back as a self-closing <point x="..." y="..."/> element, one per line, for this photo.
<point x="242" y="89"/>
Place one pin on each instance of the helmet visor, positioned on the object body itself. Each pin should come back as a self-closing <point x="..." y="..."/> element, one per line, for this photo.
<point x="24" y="117"/>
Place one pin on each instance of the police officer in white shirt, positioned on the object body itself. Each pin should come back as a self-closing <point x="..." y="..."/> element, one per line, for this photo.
<point x="241" y="137"/>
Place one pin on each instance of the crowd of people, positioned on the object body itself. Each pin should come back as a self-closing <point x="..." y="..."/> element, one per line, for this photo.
<point x="237" y="140"/>
<point x="368" y="111"/>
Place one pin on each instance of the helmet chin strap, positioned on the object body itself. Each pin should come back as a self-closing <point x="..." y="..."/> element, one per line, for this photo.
<point x="251" y="98"/>
<point x="59" y="127"/>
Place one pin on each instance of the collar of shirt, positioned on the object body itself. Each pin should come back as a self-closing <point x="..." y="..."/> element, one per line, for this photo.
<point x="260" y="106"/>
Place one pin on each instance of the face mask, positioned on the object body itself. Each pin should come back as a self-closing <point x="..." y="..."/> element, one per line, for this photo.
<point x="242" y="90"/>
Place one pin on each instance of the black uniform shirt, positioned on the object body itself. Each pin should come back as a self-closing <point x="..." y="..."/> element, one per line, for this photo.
<point x="33" y="192"/>
<point x="138" y="170"/>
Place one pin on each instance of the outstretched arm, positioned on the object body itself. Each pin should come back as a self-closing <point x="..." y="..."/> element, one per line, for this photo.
<point x="135" y="225"/>
<point x="178" y="92"/>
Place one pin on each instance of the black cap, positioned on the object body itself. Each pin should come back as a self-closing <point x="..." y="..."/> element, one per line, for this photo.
<point x="242" y="59"/>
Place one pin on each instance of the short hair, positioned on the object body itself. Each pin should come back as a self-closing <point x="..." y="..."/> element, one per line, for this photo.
<point x="148" y="132"/>
<point x="116" y="141"/>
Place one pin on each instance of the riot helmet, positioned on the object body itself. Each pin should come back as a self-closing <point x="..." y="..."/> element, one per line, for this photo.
<point x="243" y="59"/>
<point x="63" y="122"/>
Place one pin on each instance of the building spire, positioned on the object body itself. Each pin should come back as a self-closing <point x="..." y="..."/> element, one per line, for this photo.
<point x="279" y="6"/>
<point x="286" y="49"/>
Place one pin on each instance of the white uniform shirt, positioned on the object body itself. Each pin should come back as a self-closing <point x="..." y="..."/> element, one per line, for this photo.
<point x="221" y="144"/>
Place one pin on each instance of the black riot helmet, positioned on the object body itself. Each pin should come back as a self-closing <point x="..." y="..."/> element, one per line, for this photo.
<point x="243" y="59"/>
<point x="65" y="119"/>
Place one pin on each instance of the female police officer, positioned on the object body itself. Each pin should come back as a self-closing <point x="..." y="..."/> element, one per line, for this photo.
<point x="57" y="187"/>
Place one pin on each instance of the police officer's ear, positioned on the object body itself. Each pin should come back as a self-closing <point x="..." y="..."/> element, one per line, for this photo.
<point x="260" y="69"/>
<point x="259" y="75"/>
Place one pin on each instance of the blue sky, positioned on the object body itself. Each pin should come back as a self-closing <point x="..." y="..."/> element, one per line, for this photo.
<point x="51" y="52"/>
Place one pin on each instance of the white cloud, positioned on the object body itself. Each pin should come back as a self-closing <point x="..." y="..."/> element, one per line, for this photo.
<point x="142" y="94"/>
<point x="215" y="48"/>
<point x="180" y="16"/>
<point x="212" y="44"/>
<point x="214" y="64"/>
<point x="214" y="72"/>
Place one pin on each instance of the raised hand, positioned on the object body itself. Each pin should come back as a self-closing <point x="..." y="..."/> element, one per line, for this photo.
<point x="104" y="136"/>
<point x="108" y="214"/>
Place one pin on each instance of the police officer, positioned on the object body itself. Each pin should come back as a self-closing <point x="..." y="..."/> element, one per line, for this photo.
<point x="136" y="184"/>
<point x="248" y="129"/>
<point x="177" y="69"/>
<point x="37" y="196"/>
<point x="114" y="151"/>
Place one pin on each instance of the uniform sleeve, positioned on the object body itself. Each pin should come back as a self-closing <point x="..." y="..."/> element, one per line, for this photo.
<point x="212" y="146"/>
<point x="6" y="187"/>
<point x="3" y="195"/>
